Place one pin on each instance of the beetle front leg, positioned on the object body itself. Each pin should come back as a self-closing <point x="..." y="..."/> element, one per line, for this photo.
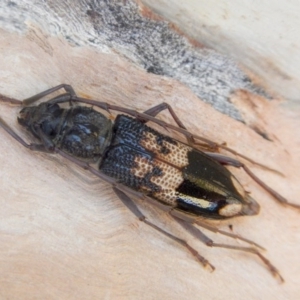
<point x="229" y="161"/>
<point x="149" y="115"/>
<point x="31" y="146"/>
<point x="205" y="143"/>
<point x="135" y="210"/>
<point x="68" y="88"/>
<point x="10" y="100"/>
<point x="46" y="146"/>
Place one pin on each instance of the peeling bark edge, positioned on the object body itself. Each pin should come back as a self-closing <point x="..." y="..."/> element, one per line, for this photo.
<point x="139" y="35"/>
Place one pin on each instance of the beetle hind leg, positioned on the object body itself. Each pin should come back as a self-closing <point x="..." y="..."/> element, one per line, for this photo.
<point x="231" y="235"/>
<point x="197" y="233"/>
<point x="225" y="160"/>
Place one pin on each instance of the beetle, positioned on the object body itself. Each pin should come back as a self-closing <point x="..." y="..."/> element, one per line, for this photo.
<point x="190" y="184"/>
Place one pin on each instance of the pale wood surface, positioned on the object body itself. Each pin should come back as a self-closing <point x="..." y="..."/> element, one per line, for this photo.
<point x="64" y="235"/>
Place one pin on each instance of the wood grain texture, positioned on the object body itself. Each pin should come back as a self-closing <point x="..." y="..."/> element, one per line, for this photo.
<point x="65" y="235"/>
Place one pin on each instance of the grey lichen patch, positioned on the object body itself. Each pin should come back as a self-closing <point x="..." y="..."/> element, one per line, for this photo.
<point x="160" y="50"/>
<point x="150" y="43"/>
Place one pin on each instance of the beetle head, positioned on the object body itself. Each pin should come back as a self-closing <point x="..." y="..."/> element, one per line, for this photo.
<point x="44" y="115"/>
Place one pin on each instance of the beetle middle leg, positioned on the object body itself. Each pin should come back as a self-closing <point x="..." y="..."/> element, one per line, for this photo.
<point x="219" y="157"/>
<point x="191" y="138"/>
<point x="48" y="146"/>
<point x="128" y="202"/>
<point x="135" y="210"/>
<point x="154" y="111"/>
<point x="70" y="96"/>
<point x="149" y="115"/>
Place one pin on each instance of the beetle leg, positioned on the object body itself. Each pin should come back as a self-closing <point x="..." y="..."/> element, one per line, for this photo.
<point x="231" y="235"/>
<point x="149" y="115"/>
<point x="46" y="146"/>
<point x="32" y="146"/>
<point x="205" y="143"/>
<point x="155" y="110"/>
<point x="9" y="100"/>
<point x="68" y="88"/>
<point x="226" y="160"/>
<point x="195" y="220"/>
<point x="135" y="210"/>
<point x="125" y="199"/>
<point x="197" y="233"/>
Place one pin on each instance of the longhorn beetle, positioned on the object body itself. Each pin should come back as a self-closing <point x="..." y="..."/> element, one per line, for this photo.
<point x="190" y="184"/>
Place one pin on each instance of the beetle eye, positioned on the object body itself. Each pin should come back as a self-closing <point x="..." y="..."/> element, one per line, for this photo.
<point x="25" y="115"/>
